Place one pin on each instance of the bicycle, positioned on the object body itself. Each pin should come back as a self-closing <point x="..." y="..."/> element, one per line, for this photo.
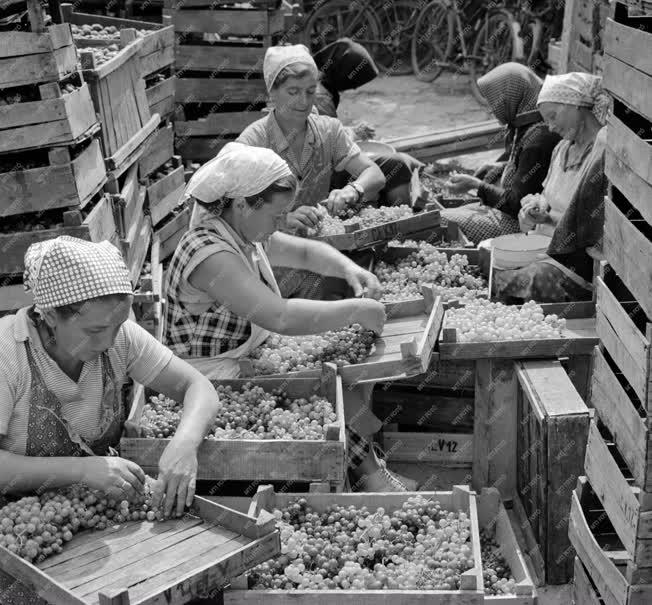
<point x="531" y="33"/>
<point x="384" y="28"/>
<point x="440" y="41"/>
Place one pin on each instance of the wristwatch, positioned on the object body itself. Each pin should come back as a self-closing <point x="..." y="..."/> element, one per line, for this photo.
<point x="358" y="187"/>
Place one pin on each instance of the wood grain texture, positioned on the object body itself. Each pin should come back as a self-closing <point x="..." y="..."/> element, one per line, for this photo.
<point x="217" y="124"/>
<point x="220" y="90"/>
<point x="629" y="45"/>
<point x="249" y="23"/>
<point x="627" y="84"/>
<point x="220" y="58"/>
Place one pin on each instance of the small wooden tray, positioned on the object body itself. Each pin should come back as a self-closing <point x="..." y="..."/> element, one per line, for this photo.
<point x="151" y="562"/>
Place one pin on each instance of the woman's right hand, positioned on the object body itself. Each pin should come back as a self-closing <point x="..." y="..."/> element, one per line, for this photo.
<point x="370" y="314"/>
<point x="116" y="477"/>
<point x="461" y="183"/>
<point x="304" y="217"/>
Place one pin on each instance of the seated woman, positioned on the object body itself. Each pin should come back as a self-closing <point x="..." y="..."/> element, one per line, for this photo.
<point x="63" y="363"/>
<point x="313" y="146"/>
<point x="222" y="298"/>
<point x="511" y="90"/>
<point x="570" y="210"/>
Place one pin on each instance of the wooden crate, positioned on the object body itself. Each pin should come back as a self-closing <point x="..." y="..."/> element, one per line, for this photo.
<point x="99" y="225"/>
<point x="180" y="4"/>
<point x="440" y="236"/>
<point x="128" y="199"/>
<point x="224" y="58"/>
<point x="136" y="243"/>
<point x="159" y="149"/>
<point x="403" y="349"/>
<point x="169" y="561"/>
<point x="584" y="591"/>
<point x="625" y="333"/>
<point x="164" y="194"/>
<point x="148" y="299"/>
<point x="460" y="498"/>
<point x="228" y="22"/>
<point x="259" y="460"/>
<point x="57" y="119"/>
<point x="160" y="97"/>
<point x="217" y="124"/>
<point x="37" y="57"/>
<point x="65" y="182"/>
<point x="220" y="90"/>
<point x="359" y="238"/>
<point x="579" y="338"/>
<point x="608" y="565"/>
<point x="553" y="424"/>
<point x="171" y="232"/>
<point x="493" y="518"/>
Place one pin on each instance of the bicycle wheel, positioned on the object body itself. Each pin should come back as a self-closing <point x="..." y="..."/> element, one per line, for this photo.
<point x="432" y="41"/>
<point x="397" y="20"/>
<point x="339" y="19"/>
<point x="493" y="45"/>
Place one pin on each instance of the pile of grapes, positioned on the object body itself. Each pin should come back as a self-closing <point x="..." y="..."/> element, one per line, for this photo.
<point x="452" y="278"/>
<point x="419" y="546"/>
<point x="95" y="30"/>
<point x="36" y="527"/>
<point x="441" y="242"/>
<point x="367" y="217"/>
<point x="281" y="354"/>
<point x="103" y="54"/>
<point x="483" y="321"/>
<point x="496" y="573"/>
<point x="248" y="413"/>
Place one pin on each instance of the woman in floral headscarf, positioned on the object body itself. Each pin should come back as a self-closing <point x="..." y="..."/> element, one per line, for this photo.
<point x="570" y="210"/>
<point x="511" y="90"/>
<point x="63" y="363"/>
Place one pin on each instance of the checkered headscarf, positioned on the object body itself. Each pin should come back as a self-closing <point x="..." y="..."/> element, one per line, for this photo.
<point x="67" y="270"/>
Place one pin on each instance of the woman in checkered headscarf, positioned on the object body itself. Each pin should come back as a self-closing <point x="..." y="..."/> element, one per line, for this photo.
<point x="63" y="363"/>
<point x="511" y="90"/>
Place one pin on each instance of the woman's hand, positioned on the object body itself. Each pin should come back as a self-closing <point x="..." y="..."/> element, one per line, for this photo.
<point x="461" y="183"/>
<point x="340" y="198"/>
<point x="304" y="217"/>
<point x="364" y="283"/>
<point x="535" y="209"/>
<point x="370" y="314"/>
<point x="116" y="477"/>
<point x="176" y="478"/>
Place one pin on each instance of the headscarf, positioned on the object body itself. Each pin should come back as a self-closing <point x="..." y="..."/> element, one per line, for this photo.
<point x="67" y="270"/>
<point x="277" y="58"/>
<point x="237" y="171"/>
<point x="510" y="89"/>
<point x="345" y="65"/>
<point x="579" y="89"/>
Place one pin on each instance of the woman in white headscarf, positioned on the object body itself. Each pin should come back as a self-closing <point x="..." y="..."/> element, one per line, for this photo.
<point x="570" y="209"/>
<point x="63" y="363"/>
<point x="223" y="300"/>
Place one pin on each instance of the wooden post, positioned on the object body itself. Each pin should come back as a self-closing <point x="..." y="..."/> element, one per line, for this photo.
<point x="566" y="38"/>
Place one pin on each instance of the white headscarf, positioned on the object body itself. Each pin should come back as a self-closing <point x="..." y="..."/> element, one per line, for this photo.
<point x="579" y="89"/>
<point x="278" y="58"/>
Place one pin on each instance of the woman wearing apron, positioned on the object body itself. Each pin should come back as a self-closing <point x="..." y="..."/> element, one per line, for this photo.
<point x="223" y="300"/>
<point x="63" y="363"/>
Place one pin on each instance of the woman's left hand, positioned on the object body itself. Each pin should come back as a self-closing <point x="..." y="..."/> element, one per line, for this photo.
<point x="340" y="198"/>
<point x="537" y="211"/>
<point x="364" y="283"/>
<point x="461" y="183"/>
<point x="177" y="477"/>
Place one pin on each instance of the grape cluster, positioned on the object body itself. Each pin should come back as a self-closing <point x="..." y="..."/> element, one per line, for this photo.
<point x="452" y="278"/>
<point x="281" y="354"/>
<point x="103" y="54"/>
<point x="437" y="243"/>
<point x="248" y="413"/>
<point x="96" y="30"/>
<point x="366" y="217"/>
<point x="419" y="546"/>
<point x="483" y="321"/>
<point x="36" y="527"/>
<point x="496" y="573"/>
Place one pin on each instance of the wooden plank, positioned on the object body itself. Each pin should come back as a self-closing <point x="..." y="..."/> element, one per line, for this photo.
<point x="160" y="149"/>
<point x="629" y="45"/>
<point x="233" y="520"/>
<point x="160" y="97"/>
<point x="228" y="22"/>
<point x="156" y="61"/>
<point x="220" y="90"/>
<point x="134" y="149"/>
<point x="220" y="58"/>
<point x="217" y="124"/>
<point x="629" y="348"/>
<point x="630" y="148"/>
<point x="17" y="43"/>
<point x="617" y="412"/>
<point x="447" y="448"/>
<point x="635" y="189"/>
<point x="164" y="195"/>
<point x="583" y="591"/>
<point x="39" y="68"/>
<point x="627" y="84"/>
<point x="124" y="56"/>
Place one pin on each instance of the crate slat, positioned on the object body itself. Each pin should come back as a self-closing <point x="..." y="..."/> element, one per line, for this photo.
<point x="160" y="97"/>
<point x="229" y="22"/>
<point x="627" y="84"/>
<point x="159" y="149"/>
<point x="583" y="591"/>
<point x="224" y="58"/>
<point x="230" y="122"/>
<point x="629" y="45"/>
<point x="214" y="90"/>
<point x="165" y="194"/>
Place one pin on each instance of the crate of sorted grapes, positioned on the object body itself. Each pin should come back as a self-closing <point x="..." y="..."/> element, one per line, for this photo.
<point x="78" y="547"/>
<point x="411" y="548"/>
<point x="404" y="348"/>
<point x="269" y="429"/>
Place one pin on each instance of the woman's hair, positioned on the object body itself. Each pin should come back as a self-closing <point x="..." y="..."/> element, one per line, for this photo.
<point x="296" y="70"/>
<point x="282" y="185"/>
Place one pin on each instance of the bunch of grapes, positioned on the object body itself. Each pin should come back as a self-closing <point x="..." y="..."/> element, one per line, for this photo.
<point x="281" y="354"/>
<point x="36" y="527"/>
<point x="437" y="243"/>
<point x="161" y="417"/>
<point x="366" y="217"/>
<point x="496" y="573"/>
<point x="419" y="546"/>
<point x="103" y="54"/>
<point x="452" y="278"/>
<point x="483" y="321"/>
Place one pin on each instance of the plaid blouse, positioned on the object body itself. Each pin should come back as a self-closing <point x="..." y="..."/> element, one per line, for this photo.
<point x="212" y="332"/>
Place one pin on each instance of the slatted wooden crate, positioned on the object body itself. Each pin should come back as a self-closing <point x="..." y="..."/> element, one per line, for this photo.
<point x="404" y="348"/>
<point x="135" y="244"/>
<point x="56" y="119"/>
<point x="128" y="199"/>
<point x="99" y="225"/>
<point x="160" y="95"/>
<point x="146" y="562"/>
<point x="149" y="298"/>
<point x="553" y="424"/>
<point x="449" y="232"/>
<point x="66" y="180"/>
<point x="158" y="150"/>
<point x="165" y="193"/>
<point x="460" y="498"/>
<point x="605" y="562"/>
<point x="579" y="338"/>
<point x="262" y="460"/>
<point x="171" y="231"/>
<point x="584" y="590"/>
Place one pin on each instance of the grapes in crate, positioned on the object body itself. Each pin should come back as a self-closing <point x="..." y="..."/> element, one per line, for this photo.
<point x="281" y="354"/>
<point x="365" y="218"/>
<point x="420" y="546"/>
<point x="497" y="575"/>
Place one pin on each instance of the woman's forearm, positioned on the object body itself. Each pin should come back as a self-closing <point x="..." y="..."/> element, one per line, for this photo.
<point x="322" y="258"/>
<point x="200" y="406"/>
<point x="372" y="180"/>
<point x="21" y="474"/>
<point x="304" y="316"/>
